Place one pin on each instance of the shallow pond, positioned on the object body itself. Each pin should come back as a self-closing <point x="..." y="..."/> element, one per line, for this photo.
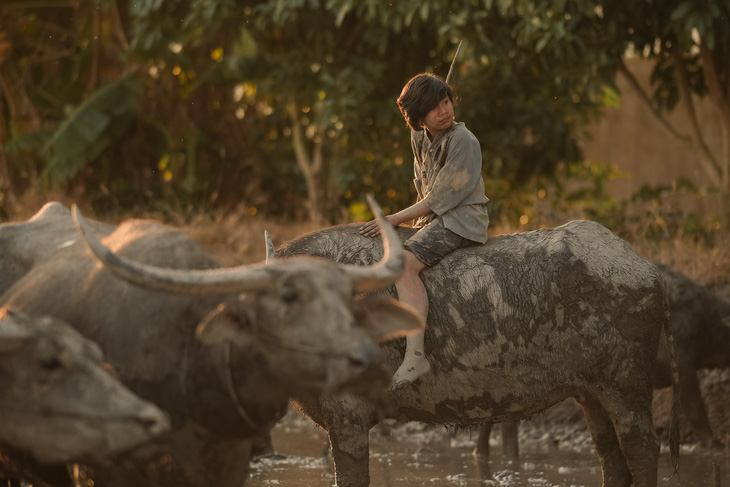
<point x="412" y="454"/>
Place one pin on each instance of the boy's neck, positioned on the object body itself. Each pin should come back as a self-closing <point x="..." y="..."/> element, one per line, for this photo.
<point x="432" y="136"/>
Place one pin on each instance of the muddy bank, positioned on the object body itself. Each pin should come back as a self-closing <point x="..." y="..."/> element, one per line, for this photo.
<point x="555" y="450"/>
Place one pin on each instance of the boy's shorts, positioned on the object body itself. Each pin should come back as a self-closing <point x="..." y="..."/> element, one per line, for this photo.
<point x="434" y="241"/>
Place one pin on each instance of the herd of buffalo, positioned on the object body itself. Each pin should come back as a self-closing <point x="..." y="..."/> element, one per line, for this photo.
<point x="130" y="354"/>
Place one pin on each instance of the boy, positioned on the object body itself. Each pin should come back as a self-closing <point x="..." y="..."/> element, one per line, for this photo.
<point x="450" y="211"/>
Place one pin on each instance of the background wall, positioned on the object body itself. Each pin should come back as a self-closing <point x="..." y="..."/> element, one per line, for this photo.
<point x="633" y="139"/>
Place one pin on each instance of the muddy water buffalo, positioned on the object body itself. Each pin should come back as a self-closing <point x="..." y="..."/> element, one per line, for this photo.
<point x="701" y="326"/>
<point x="515" y="326"/>
<point x="59" y="403"/>
<point x="700" y="322"/>
<point x="263" y="333"/>
<point x="25" y="244"/>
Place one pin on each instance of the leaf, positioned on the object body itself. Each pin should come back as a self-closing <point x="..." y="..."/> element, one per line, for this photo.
<point x="27" y="142"/>
<point x="682" y="10"/>
<point x="342" y="12"/>
<point x="542" y="42"/>
<point x="92" y="127"/>
<point x="709" y="38"/>
<point x="424" y="11"/>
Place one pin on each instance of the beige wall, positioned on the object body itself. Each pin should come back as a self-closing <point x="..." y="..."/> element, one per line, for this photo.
<point x="635" y="141"/>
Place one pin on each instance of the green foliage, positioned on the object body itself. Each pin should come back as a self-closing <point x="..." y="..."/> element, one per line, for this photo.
<point x="661" y="221"/>
<point x="225" y="85"/>
<point x="33" y="141"/>
<point x="91" y="128"/>
<point x="580" y="189"/>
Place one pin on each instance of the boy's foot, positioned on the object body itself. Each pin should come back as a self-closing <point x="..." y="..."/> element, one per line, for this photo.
<point x="411" y="369"/>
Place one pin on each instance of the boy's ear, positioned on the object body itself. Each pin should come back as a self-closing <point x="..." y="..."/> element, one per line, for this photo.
<point x="384" y="317"/>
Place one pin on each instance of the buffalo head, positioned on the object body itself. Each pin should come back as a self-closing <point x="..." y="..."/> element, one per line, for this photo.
<point x="58" y="401"/>
<point x="301" y="316"/>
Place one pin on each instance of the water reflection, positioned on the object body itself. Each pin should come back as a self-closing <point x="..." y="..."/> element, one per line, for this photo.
<point x="411" y="454"/>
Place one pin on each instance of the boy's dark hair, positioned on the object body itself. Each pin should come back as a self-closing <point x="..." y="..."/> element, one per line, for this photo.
<point x="420" y="95"/>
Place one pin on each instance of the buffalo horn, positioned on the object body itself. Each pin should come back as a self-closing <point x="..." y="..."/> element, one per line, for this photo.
<point x="210" y="282"/>
<point x="235" y="280"/>
<point x="390" y="268"/>
<point x="270" y="251"/>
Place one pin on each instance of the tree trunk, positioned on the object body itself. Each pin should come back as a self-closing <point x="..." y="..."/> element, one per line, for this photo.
<point x="316" y="171"/>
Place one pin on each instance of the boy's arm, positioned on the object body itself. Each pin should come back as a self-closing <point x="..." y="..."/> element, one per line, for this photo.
<point x="417" y="210"/>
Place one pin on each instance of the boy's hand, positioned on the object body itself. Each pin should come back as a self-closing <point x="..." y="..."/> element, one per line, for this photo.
<point x="371" y="228"/>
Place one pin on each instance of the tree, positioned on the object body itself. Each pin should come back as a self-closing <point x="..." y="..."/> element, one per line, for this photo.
<point x="326" y="75"/>
<point x="259" y="98"/>
<point x="53" y="55"/>
<point x="689" y="42"/>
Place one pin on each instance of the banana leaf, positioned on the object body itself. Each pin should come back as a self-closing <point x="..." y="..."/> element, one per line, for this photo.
<point x="95" y="125"/>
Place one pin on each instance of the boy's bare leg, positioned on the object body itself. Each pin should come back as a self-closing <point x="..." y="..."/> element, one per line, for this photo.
<point x="411" y="291"/>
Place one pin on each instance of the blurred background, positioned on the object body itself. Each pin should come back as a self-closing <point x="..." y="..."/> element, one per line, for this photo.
<point x="283" y="111"/>
<point x="225" y="118"/>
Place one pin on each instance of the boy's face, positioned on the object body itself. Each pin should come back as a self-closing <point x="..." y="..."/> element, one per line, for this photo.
<point x="439" y="118"/>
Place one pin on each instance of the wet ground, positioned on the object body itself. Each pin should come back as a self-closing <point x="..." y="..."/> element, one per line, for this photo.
<point x="555" y="450"/>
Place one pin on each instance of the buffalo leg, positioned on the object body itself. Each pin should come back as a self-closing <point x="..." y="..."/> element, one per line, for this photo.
<point x="613" y="463"/>
<point x="510" y="442"/>
<point x="636" y="434"/>
<point x="694" y="405"/>
<point x="262" y="446"/>
<point x="351" y="454"/>
<point x="485" y="429"/>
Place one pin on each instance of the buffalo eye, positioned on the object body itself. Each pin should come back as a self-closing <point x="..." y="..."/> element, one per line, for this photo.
<point x="289" y="295"/>
<point x="51" y="363"/>
<point x="53" y="357"/>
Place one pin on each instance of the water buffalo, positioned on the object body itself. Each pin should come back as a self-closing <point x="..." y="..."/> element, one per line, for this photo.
<point x="25" y="244"/>
<point x="515" y="326"/>
<point x="701" y="326"/>
<point x="700" y="322"/>
<point x="220" y="350"/>
<point x="58" y="402"/>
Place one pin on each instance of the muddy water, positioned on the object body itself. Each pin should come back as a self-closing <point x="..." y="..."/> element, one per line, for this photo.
<point x="412" y="454"/>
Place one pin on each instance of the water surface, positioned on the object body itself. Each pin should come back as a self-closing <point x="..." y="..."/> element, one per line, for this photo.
<point x="412" y="454"/>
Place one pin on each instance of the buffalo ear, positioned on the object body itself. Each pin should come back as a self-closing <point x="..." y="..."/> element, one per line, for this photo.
<point x="384" y="317"/>
<point x="226" y="323"/>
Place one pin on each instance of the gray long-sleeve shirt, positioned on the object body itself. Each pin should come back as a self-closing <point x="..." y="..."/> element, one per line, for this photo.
<point x="448" y="177"/>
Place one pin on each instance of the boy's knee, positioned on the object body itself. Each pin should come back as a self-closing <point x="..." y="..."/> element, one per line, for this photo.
<point x="413" y="265"/>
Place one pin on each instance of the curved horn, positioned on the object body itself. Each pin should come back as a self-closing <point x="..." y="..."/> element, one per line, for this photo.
<point x="390" y="268"/>
<point x="270" y="251"/>
<point x="209" y="282"/>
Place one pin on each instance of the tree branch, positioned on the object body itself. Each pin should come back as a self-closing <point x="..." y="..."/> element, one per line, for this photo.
<point x="718" y="97"/>
<point x="622" y="69"/>
<point x="41" y="4"/>
<point x="119" y="27"/>
<point x="300" y="151"/>
<point x="727" y="80"/>
<point x="720" y="102"/>
<point x="95" y="48"/>
<point x="8" y="97"/>
<point x="26" y="113"/>
<point x="709" y="163"/>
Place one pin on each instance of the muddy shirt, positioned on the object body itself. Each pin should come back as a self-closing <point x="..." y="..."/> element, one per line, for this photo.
<point x="448" y="177"/>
